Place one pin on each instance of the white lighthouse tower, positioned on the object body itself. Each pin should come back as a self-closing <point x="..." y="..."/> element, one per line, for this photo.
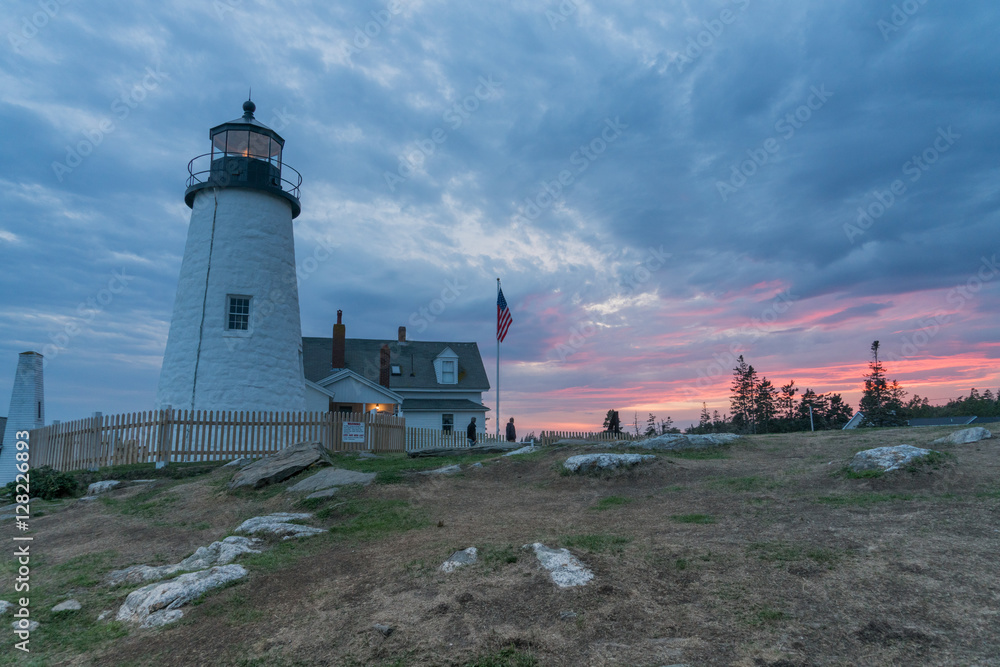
<point x="235" y="340"/>
<point x="27" y="411"/>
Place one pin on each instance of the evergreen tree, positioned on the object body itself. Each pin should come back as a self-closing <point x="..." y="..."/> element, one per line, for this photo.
<point x="839" y="412"/>
<point x="705" y="420"/>
<point x="765" y="407"/>
<point x="879" y="400"/>
<point x="742" y="400"/>
<point x="650" y="426"/>
<point x="786" y="401"/>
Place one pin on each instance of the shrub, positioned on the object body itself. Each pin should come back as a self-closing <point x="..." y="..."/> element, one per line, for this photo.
<point x="47" y="484"/>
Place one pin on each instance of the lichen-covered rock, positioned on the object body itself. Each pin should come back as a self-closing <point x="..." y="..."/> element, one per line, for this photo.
<point x="460" y="559"/>
<point x="964" y="437"/>
<point x="886" y="459"/>
<point x="564" y="568"/>
<point x="680" y="441"/>
<point x="590" y="462"/>
<point x="68" y="605"/>
<point x="103" y="487"/>
<point x="279" y="524"/>
<point x="331" y="477"/>
<point x="523" y="450"/>
<point x="5" y="607"/>
<point x="158" y="604"/>
<point x="25" y="624"/>
<point x="279" y="466"/>
<point x="447" y="470"/>
<point x="217" y="553"/>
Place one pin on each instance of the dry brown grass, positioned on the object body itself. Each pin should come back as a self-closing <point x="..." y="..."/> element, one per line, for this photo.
<point x="764" y="558"/>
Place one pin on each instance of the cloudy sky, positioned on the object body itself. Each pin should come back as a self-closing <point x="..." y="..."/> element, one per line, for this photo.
<point x="660" y="185"/>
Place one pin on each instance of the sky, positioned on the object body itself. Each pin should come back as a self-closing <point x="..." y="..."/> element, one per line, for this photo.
<point x="661" y="186"/>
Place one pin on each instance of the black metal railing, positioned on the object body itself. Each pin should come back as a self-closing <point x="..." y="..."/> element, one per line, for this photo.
<point x="204" y="169"/>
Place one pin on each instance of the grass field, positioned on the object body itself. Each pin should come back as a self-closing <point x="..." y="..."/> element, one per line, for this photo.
<point x="761" y="554"/>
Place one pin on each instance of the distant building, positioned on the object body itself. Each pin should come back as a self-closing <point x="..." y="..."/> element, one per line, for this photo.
<point x="854" y="421"/>
<point x="434" y="384"/>
<point x="941" y="421"/>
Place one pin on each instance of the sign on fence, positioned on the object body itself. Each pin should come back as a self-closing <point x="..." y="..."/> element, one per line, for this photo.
<point x="353" y="432"/>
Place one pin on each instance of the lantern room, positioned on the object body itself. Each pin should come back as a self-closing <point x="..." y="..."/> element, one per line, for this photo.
<point x="245" y="153"/>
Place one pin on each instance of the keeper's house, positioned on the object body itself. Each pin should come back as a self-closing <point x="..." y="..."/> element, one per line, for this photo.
<point x="433" y="384"/>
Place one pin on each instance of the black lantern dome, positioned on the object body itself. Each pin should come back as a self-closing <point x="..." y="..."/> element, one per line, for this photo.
<point x="245" y="154"/>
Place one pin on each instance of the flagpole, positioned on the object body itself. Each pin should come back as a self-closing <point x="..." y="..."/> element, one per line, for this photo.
<point x="497" y="416"/>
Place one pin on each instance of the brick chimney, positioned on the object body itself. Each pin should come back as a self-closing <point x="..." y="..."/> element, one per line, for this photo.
<point x="402" y="335"/>
<point x="339" y="342"/>
<point x="383" y="366"/>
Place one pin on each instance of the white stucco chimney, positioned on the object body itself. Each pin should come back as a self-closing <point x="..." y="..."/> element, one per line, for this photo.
<point x="27" y="410"/>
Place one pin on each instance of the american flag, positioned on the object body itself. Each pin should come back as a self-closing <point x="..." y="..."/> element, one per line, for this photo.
<point x="503" y="316"/>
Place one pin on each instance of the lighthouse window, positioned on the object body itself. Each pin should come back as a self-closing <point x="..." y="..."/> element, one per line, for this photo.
<point x="239" y="313"/>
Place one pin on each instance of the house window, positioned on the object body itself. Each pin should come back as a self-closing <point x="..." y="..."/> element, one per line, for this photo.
<point x="346" y="409"/>
<point x="395" y="369"/>
<point x="239" y="313"/>
<point x="447" y="372"/>
<point x="447" y="423"/>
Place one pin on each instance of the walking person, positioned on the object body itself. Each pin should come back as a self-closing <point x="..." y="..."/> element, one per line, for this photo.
<point x="470" y="432"/>
<point x="511" y="431"/>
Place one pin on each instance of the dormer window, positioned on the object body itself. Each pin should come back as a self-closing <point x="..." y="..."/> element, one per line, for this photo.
<point x="446" y="366"/>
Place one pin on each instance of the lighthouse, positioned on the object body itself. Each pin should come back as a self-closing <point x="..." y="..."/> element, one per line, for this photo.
<point x="235" y="340"/>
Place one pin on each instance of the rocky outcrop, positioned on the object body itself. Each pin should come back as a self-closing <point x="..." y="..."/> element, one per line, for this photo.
<point x="68" y="605"/>
<point x="564" y="568"/>
<point x="279" y="524"/>
<point x="447" y="470"/>
<point x="279" y="466"/>
<point x="964" y="437"/>
<point x="592" y="462"/>
<point x="103" y="487"/>
<point x="460" y="559"/>
<point x="5" y="607"/>
<point x="329" y="478"/>
<point x="680" y="441"/>
<point x="494" y="448"/>
<point x="886" y="459"/>
<point x="217" y="553"/>
<point x="523" y="450"/>
<point x="158" y="604"/>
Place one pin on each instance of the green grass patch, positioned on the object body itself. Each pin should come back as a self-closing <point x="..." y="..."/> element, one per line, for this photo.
<point x="863" y="499"/>
<point x="610" y="502"/>
<point x="84" y="571"/>
<point x="847" y="473"/>
<point x="505" y="657"/>
<point x="934" y="460"/>
<point x="148" y="504"/>
<point x="146" y="471"/>
<point x="596" y="543"/>
<point x="989" y="493"/>
<point x="372" y="518"/>
<point x="496" y="557"/>
<point x="764" y="615"/>
<point x="745" y="484"/>
<point x="783" y="552"/>
<point x="693" y="518"/>
<point x="708" y="454"/>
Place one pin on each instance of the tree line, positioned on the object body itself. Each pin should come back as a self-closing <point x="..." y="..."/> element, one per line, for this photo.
<point x="757" y="406"/>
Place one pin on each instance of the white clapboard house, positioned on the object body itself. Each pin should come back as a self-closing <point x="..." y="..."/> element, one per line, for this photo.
<point x="433" y="384"/>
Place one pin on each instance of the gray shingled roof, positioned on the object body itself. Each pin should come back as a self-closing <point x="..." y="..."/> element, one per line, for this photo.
<point x="441" y="405"/>
<point x="415" y="358"/>
<point x="941" y="421"/>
